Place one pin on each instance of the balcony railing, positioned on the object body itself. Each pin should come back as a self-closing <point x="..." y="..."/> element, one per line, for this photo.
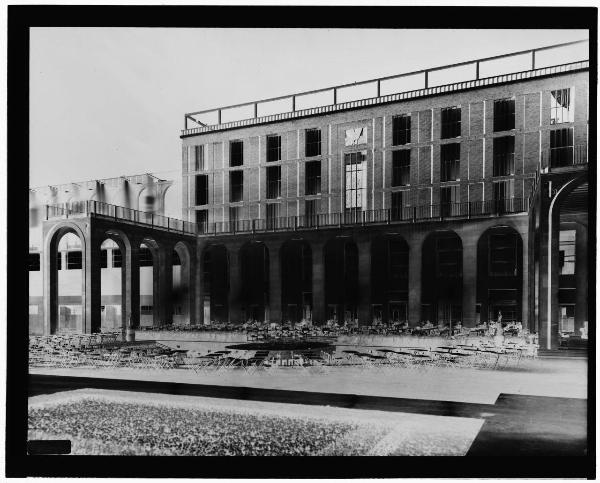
<point x="564" y="157"/>
<point x="414" y="214"/>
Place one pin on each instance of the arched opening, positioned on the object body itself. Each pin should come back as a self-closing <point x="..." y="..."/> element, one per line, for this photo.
<point x="148" y="262"/>
<point x="69" y="259"/>
<point x="341" y="280"/>
<point x="254" y="257"/>
<point x="215" y="271"/>
<point x="296" y="274"/>
<point x="500" y="275"/>
<point x="441" y="289"/>
<point x="111" y="283"/>
<point x="389" y="279"/>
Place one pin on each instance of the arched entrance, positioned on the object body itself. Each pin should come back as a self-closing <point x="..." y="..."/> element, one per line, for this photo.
<point x="296" y="279"/>
<point x="341" y="280"/>
<point x="254" y="258"/>
<point x="215" y="277"/>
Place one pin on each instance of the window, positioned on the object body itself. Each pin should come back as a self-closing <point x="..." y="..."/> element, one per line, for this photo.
<point x="449" y="256"/>
<point x="312" y="177"/>
<point x="450" y="200"/>
<point x="273" y="182"/>
<point x="450" y="122"/>
<point x="561" y="109"/>
<point x="74" y="260"/>
<point x="236" y="153"/>
<point x="235" y="215"/>
<point x="355" y="136"/>
<point x="401" y="130"/>
<point x="504" y="115"/>
<point x="567" y="252"/>
<point x="175" y="260"/>
<point x="202" y="220"/>
<point x="34" y="262"/>
<point x="146" y="309"/>
<point x="504" y="156"/>
<point x="236" y="186"/>
<point x="401" y="167"/>
<point x="202" y="189"/>
<point x="567" y="318"/>
<point x="199" y="158"/>
<point x="503" y="254"/>
<point x="145" y="257"/>
<point x="399" y="203"/>
<point x="450" y="169"/>
<point x="103" y="258"/>
<point x="354" y="186"/>
<point x="313" y="142"/>
<point x="272" y="215"/>
<point x="311" y="212"/>
<point x="561" y="147"/>
<point x="503" y="195"/>
<point x="273" y="148"/>
<point x="117" y="258"/>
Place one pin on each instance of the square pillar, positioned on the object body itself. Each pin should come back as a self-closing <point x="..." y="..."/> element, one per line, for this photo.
<point x="364" y="282"/>
<point x="581" y="276"/>
<point x="414" y="280"/>
<point x="469" y="283"/>
<point x="318" y="284"/>
<point x="198" y="275"/>
<point x="274" y="249"/>
<point x="165" y="284"/>
<point x="92" y="318"/>
<point x="235" y="284"/>
<point x="130" y="272"/>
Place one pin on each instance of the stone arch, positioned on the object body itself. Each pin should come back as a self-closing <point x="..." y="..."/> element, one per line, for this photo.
<point x="500" y="274"/>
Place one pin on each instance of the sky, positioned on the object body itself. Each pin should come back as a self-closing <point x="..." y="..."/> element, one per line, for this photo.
<point x="106" y="102"/>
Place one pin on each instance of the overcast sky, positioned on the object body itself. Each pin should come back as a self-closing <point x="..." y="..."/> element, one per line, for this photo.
<point x="110" y="101"/>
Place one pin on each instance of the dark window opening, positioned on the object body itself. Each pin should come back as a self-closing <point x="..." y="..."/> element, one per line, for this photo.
<point x="504" y="156"/>
<point x="313" y="178"/>
<point x="401" y="130"/>
<point x="117" y="258"/>
<point x="199" y="158"/>
<point x="103" y="258"/>
<point x="236" y="153"/>
<point x="504" y="115"/>
<point x="401" y="167"/>
<point x="399" y="203"/>
<point x="175" y="259"/>
<point x="311" y="212"/>
<point x="449" y="200"/>
<point x="273" y="182"/>
<point x="34" y="262"/>
<point x="74" y="260"/>
<point x="313" y="142"/>
<point x="450" y="154"/>
<point x="145" y="257"/>
<point x="202" y="220"/>
<point x="236" y="186"/>
<point x="202" y="189"/>
<point x="561" y="109"/>
<point x="273" y="148"/>
<point x="561" y="147"/>
<point x="451" y="122"/>
<point x="272" y="215"/>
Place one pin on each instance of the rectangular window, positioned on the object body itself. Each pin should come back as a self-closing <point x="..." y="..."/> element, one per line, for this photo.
<point x="145" y="257"/>
<point x="202" y="220"/>
<point x="146" y="309"/>
<point x="567" y="252"/>
<point x="311" y="212"/>
<point x="103" y="258"/>
<point x="201" y="189"/>
<point x="561" y="108"/>
<point x="450" y="200"/>
<point x="235" y="215"/>
<point x="356" y="136"/>
<point x="312" y="177"/>
<point x="236" y="153"/>
<point x="503" y="255"/>
<point x="450" y="122"/>
<point x="567" y="318"/>
<point x="236" y="186"/>
<point x="399" y="205"/>
<point x="199" y="158"/>
<point x="273" y="182"/>
<point x="504" y="115"/>
<point x="273" y="148"/>
<point x="354" y="187"/>
<point x="272" y="215"/>
<point x="401" y="130"/>
<point x="561" y="147"/>
<point x="74" y="260"/>
<point x="503" y="195"/>
<point x="401" y="167"/>
<point x="34" y="262"/>
<point x="504" y="156"/>
<point x="450" y="162"/>
<point x="117" y="258"/>
<point x="313" y="142"/>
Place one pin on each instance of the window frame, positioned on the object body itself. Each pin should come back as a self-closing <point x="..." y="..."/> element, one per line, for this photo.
<point x="451" y="122"/>
<point x="198" y="200"/>
<point x="233" y="163"/>
<point x="401" y="131"/>
<point x="504" y="119"/>
<point x="312" y="181"/>
<point x="273" y="185"/>
<point x="449" y="164"/>
<point x="273" y="153"/>
<point x="509" y="157"/>
<point x="232" y="185"/>
<point x="401" y="167"/>
<point x="555" y="108"/>
<point x="308" y="153"/>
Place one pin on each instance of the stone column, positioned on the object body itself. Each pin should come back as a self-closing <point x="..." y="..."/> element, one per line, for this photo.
<point x="235" y="284"/>
<point x="92" y="318"/>
<point x="581" y="276"/>
<point x="469" y="280"/>
<point x="50" y="282"/>
<point x="318" y="283"/>
<point x="198" y="275"/>
<point x="364" y="281"/>
<point x="131" y="279"/>
<point x="165" y="284"/>
<point x="274" y="248"/>
<point x="524" y="279"/>
<point x="189" y="275"/>
<point x="415" y="267"/>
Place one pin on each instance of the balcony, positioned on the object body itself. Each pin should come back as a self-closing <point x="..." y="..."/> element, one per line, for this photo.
<point x="564" y="157"/>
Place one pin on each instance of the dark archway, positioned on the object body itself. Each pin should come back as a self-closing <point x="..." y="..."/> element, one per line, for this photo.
<point x="500" y="275"/>
<point x="441" y="289"/>
<point x="341" y="280"/>
<point x="215" y="277"/>
<point x="296" y="279"/>
<point x="389" y="278"/>
<point x="254" y="259"/>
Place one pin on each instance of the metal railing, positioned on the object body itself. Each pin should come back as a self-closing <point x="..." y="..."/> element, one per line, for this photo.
<point x="377" y="84"/>
<point x="411" y="214"/>
<point x="564" y="157"/>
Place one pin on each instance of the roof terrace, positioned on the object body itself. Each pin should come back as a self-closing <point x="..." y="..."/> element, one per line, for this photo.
<point x="510" y="67"/>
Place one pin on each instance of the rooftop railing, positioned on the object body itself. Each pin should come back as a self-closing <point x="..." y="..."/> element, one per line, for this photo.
<point x="379" y="85"/>
<point x="405" y="215"/>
